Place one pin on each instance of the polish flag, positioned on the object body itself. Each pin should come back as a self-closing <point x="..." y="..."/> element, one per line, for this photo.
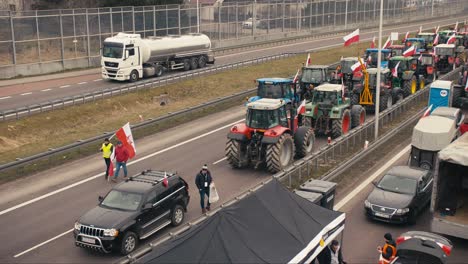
<point x="387" y="43"/>
<point x="427" y="112"/>
<point x="410" y="52"/>
<point x="110" y="172"/>
<point x="420" y="58"/>
<point x="420" y="29"/>
<point x="165" y="181"/>
<point x="372" y="45"/>
<point x="451" y="39"/>
<point x="124" y="134"/>
<point x="369" y="59"/>
<point x="395" y="70"/>
<point x="342" y="88"/>
<point x="351" y="38"/>
<point x="308" y="60"/>
<point x="437" y="30"/>
<point x="406" y="36"/>
<point x="456" y="27"/>
<point x="296" y="77"/>
<point x="466" y="86"/>
<point x="301" y="109"/>
<point x="356" y="67"/>
<point x="436" y="40"/>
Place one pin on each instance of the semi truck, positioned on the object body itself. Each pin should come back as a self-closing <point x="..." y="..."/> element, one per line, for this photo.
<point x="130" y="57"/>
<point x="449" y="201"/>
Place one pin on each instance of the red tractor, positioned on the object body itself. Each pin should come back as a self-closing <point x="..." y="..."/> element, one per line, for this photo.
<point x="270" y="135"/>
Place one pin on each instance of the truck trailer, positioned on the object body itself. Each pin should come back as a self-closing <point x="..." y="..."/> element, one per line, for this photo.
<point x="130" y="57"/>
<point x="449" y="201"/>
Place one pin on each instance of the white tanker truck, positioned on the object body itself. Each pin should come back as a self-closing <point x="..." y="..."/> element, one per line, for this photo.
<point x="129" y="57"/>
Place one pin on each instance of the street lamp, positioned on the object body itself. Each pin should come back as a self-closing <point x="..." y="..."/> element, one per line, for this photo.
<point x="379" y="66"/>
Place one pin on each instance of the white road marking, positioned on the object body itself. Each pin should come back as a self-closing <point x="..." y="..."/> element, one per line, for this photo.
<point x="97" y="80"/>
<point x="102" y="174"/>
<point x="26" y="93"/>
<point x="45" y="90"/>
<point x="64" y="86"/>
<point x="82" y="83"/>
<point x="6" y="97"/>
<point x="216" y="162"/>
<point x="376" y="174"/>
<point x="43" y="243"/>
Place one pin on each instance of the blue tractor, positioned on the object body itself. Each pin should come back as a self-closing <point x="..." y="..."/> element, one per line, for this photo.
<point x="420" y="44"/>
<point x="276" y="88"/>
<point x="371" y="58"/>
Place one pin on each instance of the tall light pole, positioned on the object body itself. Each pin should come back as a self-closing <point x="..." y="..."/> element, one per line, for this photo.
<point x="379" y="61"/>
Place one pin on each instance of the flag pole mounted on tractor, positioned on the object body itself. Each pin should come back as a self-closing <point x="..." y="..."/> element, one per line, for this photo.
<point x="379" y="66"/>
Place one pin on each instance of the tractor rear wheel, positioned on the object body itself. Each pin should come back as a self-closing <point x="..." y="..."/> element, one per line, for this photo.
<point x="304" y="141"/>
<point x="341" y="126"/>
<point x="383" y="101"/>
<point x="410" y="86"/>
<point x="354" y="98"/>
<point x="358" y="115"/>
<point x="236" y="154"/>
<point x="422" y="83"/>
<point x="397" y="95"/>
<point x="280" y="155"/>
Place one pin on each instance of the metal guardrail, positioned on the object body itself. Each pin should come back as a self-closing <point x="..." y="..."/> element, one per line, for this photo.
<point x="302" y="169"/>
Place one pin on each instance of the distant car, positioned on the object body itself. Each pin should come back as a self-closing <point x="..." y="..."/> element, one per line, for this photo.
<point x="400" y="195"/>
<point x="133" y="210"/>
<point x="416" y="247"/>
<point x="248" y="24"/>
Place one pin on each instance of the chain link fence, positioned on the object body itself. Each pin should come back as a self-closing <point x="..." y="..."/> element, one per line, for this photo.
<point x="45" y="41"/>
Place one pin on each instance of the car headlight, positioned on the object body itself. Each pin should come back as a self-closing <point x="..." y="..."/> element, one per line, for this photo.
<point x="111" y="232"/>
<point x="367" y="204"/>
<point x="77" y="226"/>
<point x="402" y="211"/>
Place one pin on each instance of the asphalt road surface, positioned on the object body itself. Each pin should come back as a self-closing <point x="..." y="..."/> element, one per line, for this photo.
<point x="24" y="94"/>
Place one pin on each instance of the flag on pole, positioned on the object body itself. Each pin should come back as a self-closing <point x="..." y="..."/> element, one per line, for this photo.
<point x="301" y="109"/>
<point x="420" y="29"/>
<point x="437" y="29"/>
<point x="466" y="85"/>
<point x="420" y="58"/>
<point x="356" y="67"/>
<point x="124" y="134"/>
<point x="456" y="27"/>
<point x="165" y="182"/>
<point x="451" y="39"/>
<point x="372" y="45"/>
<point x="406" y="36"/>
<point x="110" y="172"/>
<point x="410" y="52"/>
<point x="342" y="88"/>
<point x="387" y="43"/>
<point x="351" y="38"/>
<point x="427" y="112"/>
<point x="436" y="40"/>
<point x="296" y="77"/>
<point x="308" y="60"/>
<point x="395" y="70"/>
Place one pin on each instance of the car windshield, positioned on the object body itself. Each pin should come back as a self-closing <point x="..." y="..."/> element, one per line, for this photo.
<point x="274" y="91"/>
<point x="112" y="50"/>
<point x="398" y="184"/>
<point x="324" y="97"/>
<point x="262" y="119"/>
<point x="346" y="66"/>
<point x="312" y="76"/>
<point x="122" y="200"/>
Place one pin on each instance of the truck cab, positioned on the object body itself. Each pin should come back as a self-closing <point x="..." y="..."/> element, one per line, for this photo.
<point x="121" y="56"/>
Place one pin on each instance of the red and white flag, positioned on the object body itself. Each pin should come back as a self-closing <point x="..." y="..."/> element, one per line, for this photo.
<point x="410" y="52"/>
<point x="456" y="27"/>
<point x="351" y="38"/>
<point x="342" y="88"/>
<point x="451" y="39"/>
<point x="369" y="59"/>
<point x="372" y="45"/>
<point x="420" y="29"/>
<point x="308" y="60"/>
<point x="420" y="58"/>
<point x="165" y="181"/>
<point x="301" y="109"/>
<point x="124" y="134"/>
<point x="296" y="77"/>
<point x="427" y="112"/>
<point x="406" y="36"/>
<point x="437" y="30"/>
<point x="110" y="172"/>
<point x="466" y="86"/>
<point x="387" y="43"/>
<point x="356" y="67"/>
<point x="436" y="40"/>
<point x="395" y="70"/>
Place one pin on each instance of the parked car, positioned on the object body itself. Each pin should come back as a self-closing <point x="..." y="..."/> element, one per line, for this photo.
<point x="249" y="23"/>
<point x="416" y="247"/>
<point x="400" y="195"/>
<point x="133" y="210"/>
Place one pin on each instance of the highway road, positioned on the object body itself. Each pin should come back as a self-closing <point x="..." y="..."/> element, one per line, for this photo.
<point x="28" y="93"/>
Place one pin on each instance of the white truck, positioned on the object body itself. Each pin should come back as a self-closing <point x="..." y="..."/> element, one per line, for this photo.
<point x="449" y="202"/>
<point x="130" y="57"/>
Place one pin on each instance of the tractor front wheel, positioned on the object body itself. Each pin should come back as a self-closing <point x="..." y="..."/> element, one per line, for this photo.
<point x="304" y="141"/>
<point x="422" y="83"/>
<point x="341" y="126"/>
<point x="358" y="115"/>
<point x="236" y="154"/>
<point x="280" y="155"/>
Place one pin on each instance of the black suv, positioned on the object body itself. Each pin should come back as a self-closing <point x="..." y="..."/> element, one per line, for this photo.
<point x="133" y="210"/>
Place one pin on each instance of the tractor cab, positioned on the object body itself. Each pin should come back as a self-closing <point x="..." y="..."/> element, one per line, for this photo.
<point x="371" y="58"/>
<point x="426" y="66"/>
<point x="328" y="95"/>
<point x="464" y="38"/>
<point x="349" y="76"/>
<point x="448" y="57"/>
<point x="408" y="81"/>
<point x="404" y="64"/>
<point x="396" y="50"/>
<point x="428" y="39"/>
<point x="419" y="43"/>
<point x="346" y="64"/>
<point x="444" y="35"/>
<point x="313" y="76"/>
<point x="266" y="114"/>
<point x="276" y="88"/>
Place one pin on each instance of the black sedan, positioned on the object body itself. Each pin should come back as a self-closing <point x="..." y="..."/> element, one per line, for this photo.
<point x="400" y="195"/>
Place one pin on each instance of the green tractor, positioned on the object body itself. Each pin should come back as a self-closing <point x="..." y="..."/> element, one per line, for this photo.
<point x="448" y="57"/>
<point x="405" y="77"/>
<point x="364" y="93"/>
<point x="329" y="113"/>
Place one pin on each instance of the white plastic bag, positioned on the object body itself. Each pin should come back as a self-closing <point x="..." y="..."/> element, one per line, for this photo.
<point x="214" y="197"/>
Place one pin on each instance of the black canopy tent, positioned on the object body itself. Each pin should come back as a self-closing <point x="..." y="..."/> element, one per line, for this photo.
<point x="271" y="225"/>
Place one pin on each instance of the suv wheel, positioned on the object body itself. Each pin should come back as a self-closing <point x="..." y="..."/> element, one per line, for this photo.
<point x="129" y="243"/>
<point x="177" y="215"/>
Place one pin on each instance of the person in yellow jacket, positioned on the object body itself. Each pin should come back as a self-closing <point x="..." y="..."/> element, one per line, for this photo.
<point x="106" y="150"/>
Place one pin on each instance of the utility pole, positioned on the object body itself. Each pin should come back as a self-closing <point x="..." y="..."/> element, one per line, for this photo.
<point x="379" y="67"/>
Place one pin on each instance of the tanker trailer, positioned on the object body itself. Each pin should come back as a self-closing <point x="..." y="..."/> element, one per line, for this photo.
<point x="130" y="57"/>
